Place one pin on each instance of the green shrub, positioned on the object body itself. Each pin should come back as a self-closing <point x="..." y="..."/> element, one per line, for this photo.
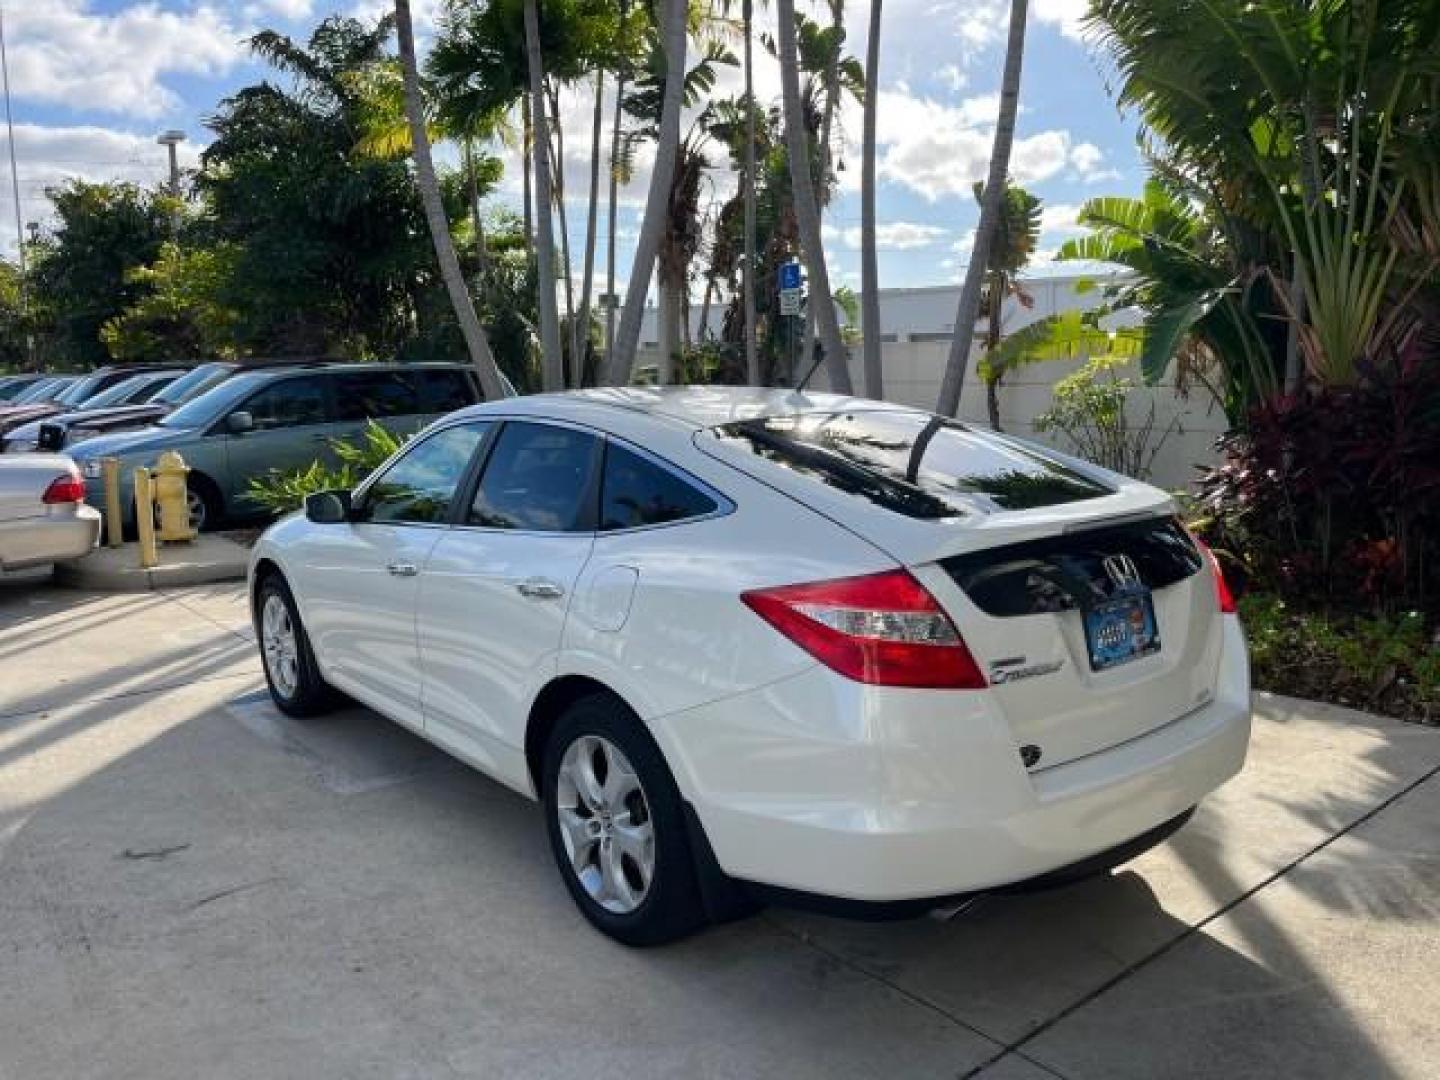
<point x="1089" y="407"/>
<point x="1386" y="664"/>
<point x="282" y="492"/>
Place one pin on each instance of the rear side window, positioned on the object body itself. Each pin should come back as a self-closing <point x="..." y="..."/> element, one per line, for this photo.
<point x="539" y="478"/>
<point x="373" y="395"/>
<point x="288" y="403"/>
<point x="445" y="391"/>
<point x="635" y="491"/>
<point x="911" y="462"/>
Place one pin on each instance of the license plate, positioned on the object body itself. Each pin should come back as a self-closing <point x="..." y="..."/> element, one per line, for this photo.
<point x="1121" y="630"/>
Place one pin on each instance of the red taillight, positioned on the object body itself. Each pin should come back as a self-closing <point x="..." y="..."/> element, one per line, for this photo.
<point x="1223" y="595"/>
<point x="64" y="489"/>
<point x="883" y="629"/>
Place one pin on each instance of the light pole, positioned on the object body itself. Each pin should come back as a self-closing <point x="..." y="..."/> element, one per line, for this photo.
<point x="15" y="190"/>
<point x="170" y="140"/>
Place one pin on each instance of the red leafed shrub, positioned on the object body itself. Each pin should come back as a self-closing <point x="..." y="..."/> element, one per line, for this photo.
<point x="1333" y="495"/>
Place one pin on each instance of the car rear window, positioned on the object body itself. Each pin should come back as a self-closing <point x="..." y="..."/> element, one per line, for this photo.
<point x="911" y="462"/>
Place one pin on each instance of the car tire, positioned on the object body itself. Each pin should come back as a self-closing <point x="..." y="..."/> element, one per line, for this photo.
<point x="204" y="503"/>
<point x="597" y="829"/>
<point x="291" y="672"/>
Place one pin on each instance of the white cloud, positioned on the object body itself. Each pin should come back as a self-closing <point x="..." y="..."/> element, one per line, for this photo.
<point x="64" y="53"/>
<point x="294" y="10"/>
<point x="1061" y="219"/>
<point x="940" y="150"/>
<point x="1065" y="15"/>
<point x="890" y="236"/>
<point x="48" y="156"/>
<point x="1089" y="162"/>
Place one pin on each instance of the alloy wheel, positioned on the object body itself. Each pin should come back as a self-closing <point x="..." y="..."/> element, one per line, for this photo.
<point x="280" y="646"/>
<point x="605" y="823"/>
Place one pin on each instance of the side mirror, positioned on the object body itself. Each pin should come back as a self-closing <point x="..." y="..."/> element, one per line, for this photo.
<point x="238" y="423"/>
<point x="328" y="507"/>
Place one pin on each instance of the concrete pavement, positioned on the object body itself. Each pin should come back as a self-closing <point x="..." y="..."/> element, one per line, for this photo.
<point x="192" y="885"/>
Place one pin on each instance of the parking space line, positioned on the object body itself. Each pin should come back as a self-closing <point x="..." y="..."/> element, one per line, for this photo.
<point x="1162" y="950"/>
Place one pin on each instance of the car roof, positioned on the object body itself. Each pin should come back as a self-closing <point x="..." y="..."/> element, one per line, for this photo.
<point x="694" y="407"/>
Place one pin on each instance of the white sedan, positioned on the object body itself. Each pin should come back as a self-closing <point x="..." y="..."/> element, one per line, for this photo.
<point x="750" y="645"/>
<point x="43" y="516"/>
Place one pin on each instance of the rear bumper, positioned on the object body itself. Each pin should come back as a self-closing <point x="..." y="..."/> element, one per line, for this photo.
<point x="39" y="540"/>
<point x="821" y="786"/>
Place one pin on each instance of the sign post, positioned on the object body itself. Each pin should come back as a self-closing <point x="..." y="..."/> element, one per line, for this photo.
<point x="792" y="288"/>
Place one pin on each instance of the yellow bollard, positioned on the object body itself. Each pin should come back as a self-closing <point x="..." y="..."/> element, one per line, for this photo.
<point x="172" y="497"/>
<point x="145" y="519"/>
<point x="114" y="524"/>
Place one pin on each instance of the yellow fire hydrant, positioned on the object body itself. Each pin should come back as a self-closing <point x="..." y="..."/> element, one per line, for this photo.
<point x="172" y="497"/>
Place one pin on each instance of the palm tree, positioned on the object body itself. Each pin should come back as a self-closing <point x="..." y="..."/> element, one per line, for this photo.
<point x="869" y="264"/>
<point x="1016" y="236"/>
<point x="807" y="210"/>
<point x="990" y="207"/>
<point x="470" y="328"/>
<point x="552" y="359"/>
<point x="673" y="28"/>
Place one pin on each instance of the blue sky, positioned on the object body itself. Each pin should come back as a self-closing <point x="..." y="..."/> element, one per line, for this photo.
<point x="93" y="82"/>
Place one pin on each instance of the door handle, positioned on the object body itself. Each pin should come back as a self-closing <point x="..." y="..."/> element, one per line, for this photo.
<point x="403" y="569"/>
<point x="539" y="589"/>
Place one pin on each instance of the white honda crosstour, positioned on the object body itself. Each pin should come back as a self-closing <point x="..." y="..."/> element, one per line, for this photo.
<point x="750" y="645"/>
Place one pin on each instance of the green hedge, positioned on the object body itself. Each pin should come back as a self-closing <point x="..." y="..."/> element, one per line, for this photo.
<point x="1384" y="664"/>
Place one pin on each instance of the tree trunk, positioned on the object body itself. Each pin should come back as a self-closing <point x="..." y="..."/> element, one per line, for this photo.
<point x="657" y="202"/>
<point x="581" y="329"/>
<point x="990" y="204"/>
<point x="666" y="327"/>
<point x="472" y="191"/>
<point x="552" y="360"/>
<point x="747" y="181"/>
<point x="614" y="220"/>
<point x="807" y="211"/>
<point x="527" y="144"/>
<point x="470" y="328"/>
<point x="998" y="289"/>
<point x="558" y="165"/>
<point x="869" y="262"/>
<point x="821" y="170"/>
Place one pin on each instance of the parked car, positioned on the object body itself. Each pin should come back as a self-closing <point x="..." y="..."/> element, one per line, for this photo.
<point x="43" y="516"/>
<point x="25" y="438"/>
<point x="58" y="432"/>
<point x="265" y="420"/>
<point x="47" y="388"/>
<point x="78" y="390"/>
<point x="750" y="645"/>
<point x="10" y="385"/>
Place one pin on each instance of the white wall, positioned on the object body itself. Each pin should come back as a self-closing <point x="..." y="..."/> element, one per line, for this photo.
<point x="915" y="335"/>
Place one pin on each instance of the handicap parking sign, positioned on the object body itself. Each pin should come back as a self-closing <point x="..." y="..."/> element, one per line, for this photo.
<point x="789" y="276"/>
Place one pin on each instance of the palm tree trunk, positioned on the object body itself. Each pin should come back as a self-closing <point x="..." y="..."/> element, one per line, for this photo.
<point x="822" y="155"/>
<point x="657" y="202"/>
<point x="990" y="203"/>
<point x="747" y="282"/>
<point x="666" y="327"/>
<point x="470" y="328"/>
<point x="581" y="329"/>
<point x="527" y="143"/>
<point x="807" y="211"/>
<point x="558" y="166"/>
<point x="998" y="289"/>
<point x="614" y="221"/>
<point x="869" y="262"/>
<point x="552" y="360"/>
<point x="472" y="191"/>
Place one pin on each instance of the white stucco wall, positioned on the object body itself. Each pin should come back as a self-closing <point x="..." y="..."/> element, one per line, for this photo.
<point x="915" y="335"/>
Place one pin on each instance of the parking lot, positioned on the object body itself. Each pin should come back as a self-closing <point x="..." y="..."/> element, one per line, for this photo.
<point x="192" y="885"/>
